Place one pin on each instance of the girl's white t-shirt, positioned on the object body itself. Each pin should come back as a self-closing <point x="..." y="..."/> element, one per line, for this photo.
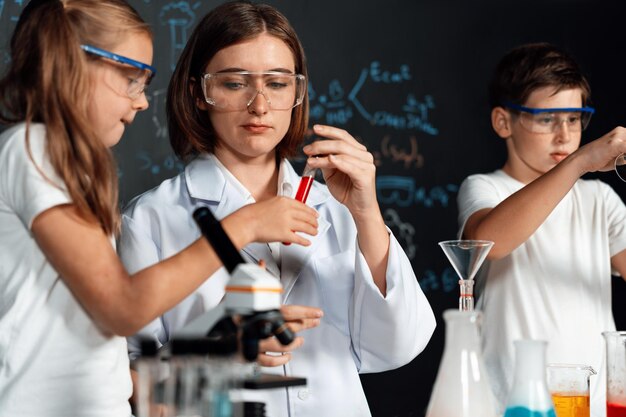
<point x="54" y="361"/>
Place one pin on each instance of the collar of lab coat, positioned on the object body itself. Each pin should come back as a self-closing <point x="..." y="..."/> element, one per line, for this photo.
<point x="206" y="182"/>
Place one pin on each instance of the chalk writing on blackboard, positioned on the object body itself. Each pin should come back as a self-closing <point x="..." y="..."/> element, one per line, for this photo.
<point x="336" y="108"/>
<point x="406" y="154"/>
<point x="402" y="191"/>
<point x="446" y="282"/>
<point x="403" y="231"/>
<point x="157" y="107"/>
<point x="178" y="16"/>
<point x="168" y="163"/>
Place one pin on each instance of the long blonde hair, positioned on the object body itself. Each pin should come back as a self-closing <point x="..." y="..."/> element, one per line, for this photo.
<point x="48" y="82"/>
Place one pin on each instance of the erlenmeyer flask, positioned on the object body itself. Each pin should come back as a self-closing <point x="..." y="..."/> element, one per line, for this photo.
<point x="529" y="396"/>
<point x="461" y="388"/>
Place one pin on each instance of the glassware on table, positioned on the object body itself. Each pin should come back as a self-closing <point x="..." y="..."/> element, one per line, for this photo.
<point x="529" y="395"/>
<point x="466" y="257"/>
<point x="152" y="376"/>
<point x="185" y="389"/>
<point x="615" y="373"/>
<point x="620" y="167"/>
<point x="569" y="386"/>
<point x="461" y="388"/>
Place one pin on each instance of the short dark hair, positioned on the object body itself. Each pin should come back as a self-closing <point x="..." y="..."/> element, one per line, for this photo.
<point x="190" y="128"/>
<point x="529" y="67"/>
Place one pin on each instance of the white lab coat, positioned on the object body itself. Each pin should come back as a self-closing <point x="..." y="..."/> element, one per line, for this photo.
<point x="362" y="331"/>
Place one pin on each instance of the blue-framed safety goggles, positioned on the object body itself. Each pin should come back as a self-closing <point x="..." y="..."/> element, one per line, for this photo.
<point x="549" y="119"/>
<point x="139" y="83"/>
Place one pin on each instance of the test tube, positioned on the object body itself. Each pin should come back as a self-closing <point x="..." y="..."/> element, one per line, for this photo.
<point x="308" y="175"/>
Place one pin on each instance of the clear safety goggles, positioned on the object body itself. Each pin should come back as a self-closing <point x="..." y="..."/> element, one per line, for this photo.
<point x="238" y="90"/>
<point x="549" y="120"/>
<point x="136" y="75"/>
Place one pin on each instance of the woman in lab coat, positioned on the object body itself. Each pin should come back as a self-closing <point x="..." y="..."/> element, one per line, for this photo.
<point x="237" y="108"/>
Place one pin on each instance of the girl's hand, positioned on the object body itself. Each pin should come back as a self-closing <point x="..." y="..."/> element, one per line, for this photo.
<point x="298" y="318"/>
<point x="348" y="168"/>
<point x="274" y="220"/>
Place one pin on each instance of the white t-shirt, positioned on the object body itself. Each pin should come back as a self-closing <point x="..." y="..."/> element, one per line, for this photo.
<point x="54" y="361"/>
<point x="556" y="286"/>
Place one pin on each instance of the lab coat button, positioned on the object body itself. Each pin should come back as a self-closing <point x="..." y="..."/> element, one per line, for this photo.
<point x="303" y="394"/>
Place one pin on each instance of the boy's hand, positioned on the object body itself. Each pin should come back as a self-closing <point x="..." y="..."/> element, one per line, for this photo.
<point x="600" y="154"/>
<point x="274" y="220"/>
<point x="298" y="318"/>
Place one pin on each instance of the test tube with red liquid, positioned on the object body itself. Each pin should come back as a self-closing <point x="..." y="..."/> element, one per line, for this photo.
<point x="308" y="175"/>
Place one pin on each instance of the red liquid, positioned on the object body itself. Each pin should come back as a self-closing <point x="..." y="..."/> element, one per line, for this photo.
<point x="615" y="410"/>
<point x="303" y="193"/>
<point x="304" y="188"/>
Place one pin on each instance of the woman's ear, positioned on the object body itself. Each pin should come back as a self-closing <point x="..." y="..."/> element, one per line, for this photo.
<point x="501" y="122"/>
<point x="200" y="102"/>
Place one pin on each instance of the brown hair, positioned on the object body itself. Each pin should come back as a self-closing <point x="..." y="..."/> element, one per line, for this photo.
<point x="48" y="82"/>
<point x="190" y="129"/>
<point x="528" y="67"/>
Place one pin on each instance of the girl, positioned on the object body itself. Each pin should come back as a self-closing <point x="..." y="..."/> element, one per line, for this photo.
<point x="237" y="108"/>
<point x="77" y="78"/>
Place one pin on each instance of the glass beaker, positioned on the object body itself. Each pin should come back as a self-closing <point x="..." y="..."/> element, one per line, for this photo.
<point x="529" y="395"/>
<point x="569" y="386"/>
<point x="615" y="373"/>
<point x="620" y="166"/>
<point x="461" y="388"/>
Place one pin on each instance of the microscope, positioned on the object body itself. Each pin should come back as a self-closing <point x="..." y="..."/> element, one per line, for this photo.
<point x="253" y="296"/>
<point x="248" y="313"/>
<point x="183" y="375"/>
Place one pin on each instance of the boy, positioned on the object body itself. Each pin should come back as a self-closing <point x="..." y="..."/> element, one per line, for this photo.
<point x="557" y="237"/>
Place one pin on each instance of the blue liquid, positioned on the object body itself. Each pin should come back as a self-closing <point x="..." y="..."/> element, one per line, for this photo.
<point x="222" y="406"/>
<point x="525" y="412"/>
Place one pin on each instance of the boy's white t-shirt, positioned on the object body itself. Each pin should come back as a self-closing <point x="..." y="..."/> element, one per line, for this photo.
<point x="556" y="286"/>
<point x="54" y="361"/>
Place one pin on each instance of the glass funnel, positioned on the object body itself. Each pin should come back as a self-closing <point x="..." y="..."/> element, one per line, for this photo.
<point x="466" y="257"/>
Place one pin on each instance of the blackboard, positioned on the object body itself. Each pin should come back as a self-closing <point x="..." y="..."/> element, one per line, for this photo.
<point x="408" y="78"/>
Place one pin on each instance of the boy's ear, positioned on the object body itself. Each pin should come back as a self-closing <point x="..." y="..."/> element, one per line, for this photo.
<point x="501" y="122"/>
<point x="200" y="103"/>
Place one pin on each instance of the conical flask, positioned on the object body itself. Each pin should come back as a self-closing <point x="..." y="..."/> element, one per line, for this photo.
<point x="461" y="388"/>
<point x="529" y="396"/>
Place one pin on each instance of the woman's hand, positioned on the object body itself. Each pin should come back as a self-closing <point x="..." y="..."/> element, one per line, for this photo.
<point x="298" y="318"/>
<point x="350" y="175"/>
<point x="348" y="169"/>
